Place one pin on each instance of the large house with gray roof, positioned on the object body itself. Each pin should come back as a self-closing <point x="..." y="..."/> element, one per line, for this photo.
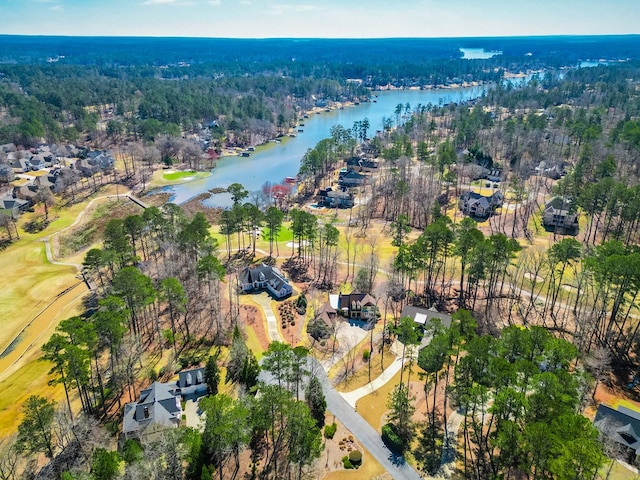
<point x="264" y="277"/>
<point x="560" y="215"/>
<point x="621" y="425"/>
<point x="478" y="205"/>
<point x="422" y="316"/>
<point x="159" y="407"/>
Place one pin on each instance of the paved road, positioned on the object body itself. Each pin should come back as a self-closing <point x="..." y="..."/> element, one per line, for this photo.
<point x="366" y="435"/>
<point x="341" y="408"/>
<point x="358" y="426"/>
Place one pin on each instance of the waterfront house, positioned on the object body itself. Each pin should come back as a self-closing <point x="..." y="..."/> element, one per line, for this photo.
<point x="335" y="198"/>
<point x="264" y="277"/>
<point x="361" y="164"/>
<point x="478" y="205"/>
<point x="352" y="179"/>
<point x="559" y="215"/>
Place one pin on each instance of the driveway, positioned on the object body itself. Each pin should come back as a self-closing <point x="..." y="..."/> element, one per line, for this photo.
<point x="358" y="426"/>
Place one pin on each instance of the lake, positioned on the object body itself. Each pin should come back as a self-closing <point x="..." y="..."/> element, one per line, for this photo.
<point x="276" y="161"/>
<point x="478" y="53"/>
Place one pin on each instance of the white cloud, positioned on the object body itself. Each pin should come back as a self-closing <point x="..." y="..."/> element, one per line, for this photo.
<point x="56" y="8"/>
<point x="166" y="2"/>
<point x="295" y="8"/>
<point x="215" y="3"/>
<point x="245" y="2"/>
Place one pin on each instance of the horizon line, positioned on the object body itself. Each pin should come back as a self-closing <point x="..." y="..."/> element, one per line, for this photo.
<point x="559" y="35"/>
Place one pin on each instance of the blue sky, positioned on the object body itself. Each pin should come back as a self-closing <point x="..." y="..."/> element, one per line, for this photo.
<point x="319" y="18"/>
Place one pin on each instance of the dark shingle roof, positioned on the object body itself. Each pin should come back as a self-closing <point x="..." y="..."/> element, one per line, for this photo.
<point x="423" y="315"/>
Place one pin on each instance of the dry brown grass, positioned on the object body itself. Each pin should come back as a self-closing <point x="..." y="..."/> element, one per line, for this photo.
<point x="361" y="377"/>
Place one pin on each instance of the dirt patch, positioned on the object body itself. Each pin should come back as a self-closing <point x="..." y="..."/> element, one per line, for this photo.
<point x="253" y="319"/>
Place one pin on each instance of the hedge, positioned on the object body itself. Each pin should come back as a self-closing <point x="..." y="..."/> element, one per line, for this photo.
<point x="391" y="439"/>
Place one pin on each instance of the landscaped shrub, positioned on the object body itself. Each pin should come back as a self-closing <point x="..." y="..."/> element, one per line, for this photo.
<point x="330" y="430"/>
<point x="301" y="304"/>
<point x="318" y="330"/>
<point x="355" y="457"/>
<point x="346" y="463"/>
<point x="365" y="355"/>
<point x="391" y="439"/>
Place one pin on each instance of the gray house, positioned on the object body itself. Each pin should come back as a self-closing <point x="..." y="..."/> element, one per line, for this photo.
<point x="14" y="206"/>
<point x="158" y="409"/>
<point x="622" y="425"/>
<point x="6" y="173"/>
<point x="422" y="316"/>
<point x="191" y="383"/>
<point x="361" y="164"/>
<point x="480" y="206"/>
<point x="264" y="277"/>
<point x="559" y="215"/>
<point x="352" y="179"/>
<point x="335" y="198"/>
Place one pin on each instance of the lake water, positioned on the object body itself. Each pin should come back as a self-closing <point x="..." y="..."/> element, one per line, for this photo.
<point x="478" y="53"/>
<point x="279" y="160"/>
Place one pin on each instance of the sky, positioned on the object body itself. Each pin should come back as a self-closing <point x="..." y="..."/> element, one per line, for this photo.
<point x="319" y="18"/>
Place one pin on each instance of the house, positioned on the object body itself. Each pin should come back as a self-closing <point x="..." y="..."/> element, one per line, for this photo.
<point x="14" y="206"/>
<point x="477" y="205"/>
<point x="6" y="173"/>
<point x="261" y="277"/>
<point x="359" y="306"/>
<point x="158" y="409"/>
<point x="327" y="314"/>
<point x="622" y="425"/>
<point x="361" y="164"/>
<point x="422" y="316"/>
<point x="20" y="164"/>
<point x="494" y="175"/>
<point x="191" y="383"/>
<point x="554" y="171"/>
<point x="8" y="147"/>
<point x="52" y="182"/>
<point x="352" y="179"/>
<point x="335" y="198"/>
<point x="560" y="216"/>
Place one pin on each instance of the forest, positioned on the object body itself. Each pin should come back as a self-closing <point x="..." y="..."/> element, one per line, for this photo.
<point x="540" y="319"/>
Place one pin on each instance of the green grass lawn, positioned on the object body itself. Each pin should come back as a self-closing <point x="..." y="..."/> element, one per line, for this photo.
<point x="178" y="175"/>
<point x="284" y="235"/>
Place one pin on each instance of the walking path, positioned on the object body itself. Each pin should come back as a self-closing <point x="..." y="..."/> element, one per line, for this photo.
<point x="79" y="218"/>
<point x="355" y="395"/>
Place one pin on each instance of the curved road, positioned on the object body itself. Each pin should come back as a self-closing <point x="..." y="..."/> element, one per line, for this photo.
<point x="338" y="404"/>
